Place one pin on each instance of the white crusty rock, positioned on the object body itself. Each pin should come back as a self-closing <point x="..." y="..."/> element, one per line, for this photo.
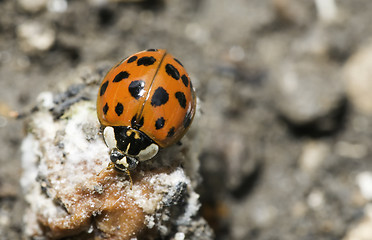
<point x="70" y="192"/>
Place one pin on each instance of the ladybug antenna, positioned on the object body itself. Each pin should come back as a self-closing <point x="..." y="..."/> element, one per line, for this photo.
<point x="130" y="178"/>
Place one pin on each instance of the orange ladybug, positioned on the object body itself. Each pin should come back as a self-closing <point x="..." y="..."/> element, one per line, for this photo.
<point x="144" y="103"/>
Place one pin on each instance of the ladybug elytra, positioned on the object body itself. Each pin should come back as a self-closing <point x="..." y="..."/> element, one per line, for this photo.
<point x="144" y="103"/>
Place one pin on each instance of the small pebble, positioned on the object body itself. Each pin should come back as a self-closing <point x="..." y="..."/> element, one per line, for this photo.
<point x="179" y="236"/>
<point x="58" y="6"/>
<point x="45" y="100"/>
<point x="364" y="181"/>
<point x="4" y="219"/>
<point x="358" y="72"/>
<point x="197" y="33"/>
<point x="35" y="36"/>
<point x="236" y="53"/>
<point x="307" y="91"/>
<point x="327" y="10"/>
<point x="264" y="215"/>
<point x="32" y="6"/>
<point x="313" y="155"/>
<point x="315" y="199"/>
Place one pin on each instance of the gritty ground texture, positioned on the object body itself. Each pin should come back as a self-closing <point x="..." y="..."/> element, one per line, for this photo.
<point x="286" y="92"/>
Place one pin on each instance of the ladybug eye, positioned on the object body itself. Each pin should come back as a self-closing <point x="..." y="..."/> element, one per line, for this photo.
<point x="109" y="136"/>
<point x="148" y="153"/>
<point x="116" y="155"/>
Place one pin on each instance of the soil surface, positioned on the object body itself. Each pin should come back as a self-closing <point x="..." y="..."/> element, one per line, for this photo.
<point x="284" y="88"/>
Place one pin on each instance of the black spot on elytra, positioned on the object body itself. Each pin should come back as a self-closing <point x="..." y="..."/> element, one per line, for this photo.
<point x="136" y="88"/>
<point x="185" y="80"/>
<point x="120" y="76"/>
<point x="132" y="59"/>
<point x="171" y="132"/>
<point x="105" y="109"/>
<point x="146" y="61"/>
<point x="172" y="71"/>
<point x="152" y="50"/>
<point x="175" y="59"/>
<point x="135" y="123"/>
<point x="187" y="119"/>
<point x="159" y="97"/>
<point x="159" y="124"/>
<point x="119" y="109"/>
<point x="103" y="88"/>
<point x="181" y="99"/>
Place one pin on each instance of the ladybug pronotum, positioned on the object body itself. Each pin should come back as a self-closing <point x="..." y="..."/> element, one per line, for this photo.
<point x="144" y="103"/>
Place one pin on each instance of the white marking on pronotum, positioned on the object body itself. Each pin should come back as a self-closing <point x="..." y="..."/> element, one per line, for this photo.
<point x="148" y="152"/>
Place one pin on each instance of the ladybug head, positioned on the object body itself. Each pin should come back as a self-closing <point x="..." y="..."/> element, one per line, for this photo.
<point x="128" y="146"/>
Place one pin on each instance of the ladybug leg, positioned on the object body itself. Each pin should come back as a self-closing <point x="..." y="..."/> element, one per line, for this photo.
<point x="112" y="166"/>
<point x="130" y="178"/>
<point x="109" y="167"/>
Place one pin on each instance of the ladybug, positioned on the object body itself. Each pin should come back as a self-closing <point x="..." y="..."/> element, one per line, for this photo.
<point x="145" y="102"/>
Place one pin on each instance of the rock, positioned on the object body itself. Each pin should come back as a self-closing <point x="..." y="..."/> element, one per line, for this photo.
<point x="308" y="93"/>
<point x="364" y="181"/>
<point x="70" y="192"/>
<point x="316" y="200"/>
<point x="33" y="6"/>
<point x="35" y="37"/>
<point x="358" y="81"/>
<point x="313" y="155"/>
<point x="327" y="10"/>
<point x="57" y="6"/>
